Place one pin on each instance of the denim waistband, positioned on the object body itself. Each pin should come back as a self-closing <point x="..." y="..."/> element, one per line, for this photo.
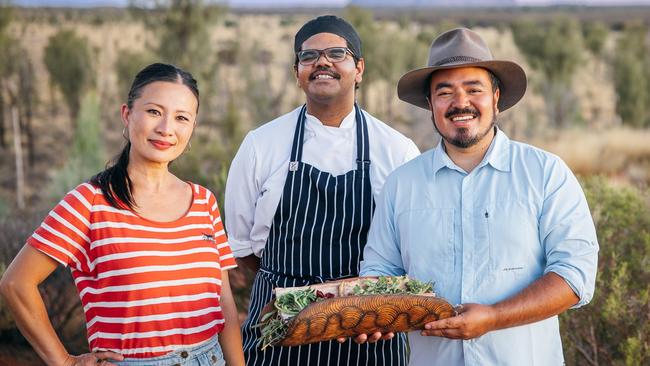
<point x="177" y="357"/>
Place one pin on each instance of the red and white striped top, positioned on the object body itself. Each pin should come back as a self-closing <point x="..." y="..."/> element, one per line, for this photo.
<point x="147" y="288"/>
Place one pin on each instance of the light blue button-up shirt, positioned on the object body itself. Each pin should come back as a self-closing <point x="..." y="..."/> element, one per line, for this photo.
<point x="482" y="237"/>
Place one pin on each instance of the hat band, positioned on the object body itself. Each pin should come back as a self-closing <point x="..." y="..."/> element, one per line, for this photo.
<point x="456" y="59"/>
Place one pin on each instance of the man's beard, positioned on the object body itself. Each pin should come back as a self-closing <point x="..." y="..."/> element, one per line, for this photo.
<point x="463" y="139"/>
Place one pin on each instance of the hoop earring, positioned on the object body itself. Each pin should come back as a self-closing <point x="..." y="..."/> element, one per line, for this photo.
<point x="125" y="134"/>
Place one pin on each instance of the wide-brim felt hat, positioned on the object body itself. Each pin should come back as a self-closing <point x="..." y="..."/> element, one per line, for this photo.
<point x="457" y="48"/>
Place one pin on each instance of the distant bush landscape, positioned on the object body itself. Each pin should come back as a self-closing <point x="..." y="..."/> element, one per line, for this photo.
<point x="65" y="72"/>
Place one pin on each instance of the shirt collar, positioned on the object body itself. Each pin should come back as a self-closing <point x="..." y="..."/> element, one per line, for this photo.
<point x="498" y="155"/>
<point x="348" y="121"/>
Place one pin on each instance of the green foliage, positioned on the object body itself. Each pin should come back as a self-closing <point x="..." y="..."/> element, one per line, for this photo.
<point x="182" y="28"/>
<point x="556" y="50"/>
<point x="68" y="61"/>
<point x="86" y="155"/>
<point x="387" y="64"/>
<point x="6" y="12"/>
<point x="127" y="66"/>
<point x="9" y="46"/>
<point x="208" y="160"/>
<point x="4" y="208"/>
<point x="614" y="329"/>
<point x="631" y="77"/>
<point x="595" y="34"/>
<point x="363" y="21"/>
<point x="58" y="291"/>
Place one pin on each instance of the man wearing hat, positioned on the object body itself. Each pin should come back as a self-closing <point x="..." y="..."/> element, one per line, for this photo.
<point x="500" y="227"/>
<point x="301" y="190"/>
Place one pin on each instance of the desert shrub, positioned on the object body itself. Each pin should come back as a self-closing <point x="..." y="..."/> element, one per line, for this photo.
<point x="631" y="78"/>
<point x="555" y="49"/>
<point x="127" y="65"/>
<point x="614" y="329"/>
<point x="68" y="61"/>
<point x="58" y="291"/>
<point x="86" y="155"/>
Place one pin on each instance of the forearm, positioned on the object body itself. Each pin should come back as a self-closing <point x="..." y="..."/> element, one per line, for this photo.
<point x="28" y="310"/>
<point x="230" y="337"/>
<point x="546" y="297"/>
<point x="250" y="262"/>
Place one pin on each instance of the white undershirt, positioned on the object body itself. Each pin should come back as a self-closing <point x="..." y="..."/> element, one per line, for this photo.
<point x="258" y="171"/>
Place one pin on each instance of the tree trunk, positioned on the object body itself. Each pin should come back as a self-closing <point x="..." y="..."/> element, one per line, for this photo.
<point x="18" y="149"/>
<point x="3" y="143"/>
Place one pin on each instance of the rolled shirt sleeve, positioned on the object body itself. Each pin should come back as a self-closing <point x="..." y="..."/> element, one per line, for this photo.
<point x="567" y="232"/>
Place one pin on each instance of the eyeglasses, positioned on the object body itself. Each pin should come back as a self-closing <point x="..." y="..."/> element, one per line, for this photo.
<point x="332" y="54"/>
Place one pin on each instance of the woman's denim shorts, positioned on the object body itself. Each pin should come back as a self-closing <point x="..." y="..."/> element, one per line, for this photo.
<point x="206" y="354"/>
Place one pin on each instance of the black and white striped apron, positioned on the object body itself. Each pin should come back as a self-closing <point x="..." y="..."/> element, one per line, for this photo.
<point x="318" y="234"/>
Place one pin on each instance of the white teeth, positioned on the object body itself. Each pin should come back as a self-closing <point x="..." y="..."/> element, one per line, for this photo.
<point x="324" y="76"/>
<point x="462" y="118"/>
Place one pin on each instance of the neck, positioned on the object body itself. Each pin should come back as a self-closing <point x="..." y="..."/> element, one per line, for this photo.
<point x="469" y="157"/>
<point x="330" y="113"/>
<point x="148" y="177"/>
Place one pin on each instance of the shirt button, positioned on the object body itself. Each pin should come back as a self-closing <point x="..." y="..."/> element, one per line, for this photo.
<point x="184" y="354"/>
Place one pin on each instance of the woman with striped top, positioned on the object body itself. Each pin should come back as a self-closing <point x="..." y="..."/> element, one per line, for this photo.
<point x="147" y="251"/>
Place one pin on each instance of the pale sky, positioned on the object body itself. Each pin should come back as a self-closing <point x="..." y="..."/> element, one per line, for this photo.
<point x="300" y="3"/>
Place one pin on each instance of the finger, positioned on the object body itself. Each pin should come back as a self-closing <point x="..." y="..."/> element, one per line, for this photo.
<point x="374" y="337"/>
<point x="445" y="333"/>
<point x="361" y="338"/>
<point x="438" y="324"/>
<point x="432" y="333"/>
<point x="341" y="339"/>
<point x="388" y="336"/>
<point x="109" y="355"/>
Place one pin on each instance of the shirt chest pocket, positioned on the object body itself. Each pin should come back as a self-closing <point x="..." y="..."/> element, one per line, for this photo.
<point x="513" y="234"/>
<point x="427" y="237"/>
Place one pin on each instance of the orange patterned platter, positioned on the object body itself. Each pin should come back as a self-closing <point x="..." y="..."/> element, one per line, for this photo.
<point x="345" y="308"/>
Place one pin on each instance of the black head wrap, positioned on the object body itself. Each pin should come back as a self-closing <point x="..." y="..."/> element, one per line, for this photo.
<point x="329" y="24"/>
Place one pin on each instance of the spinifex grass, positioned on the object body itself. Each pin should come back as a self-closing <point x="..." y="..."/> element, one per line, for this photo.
<point x="291" y="303"/>
<point x="393" y="285"/>
<point x="274" y="324"/>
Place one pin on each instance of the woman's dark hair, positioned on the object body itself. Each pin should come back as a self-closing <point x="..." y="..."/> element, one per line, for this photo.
<point x="114" y="181"/>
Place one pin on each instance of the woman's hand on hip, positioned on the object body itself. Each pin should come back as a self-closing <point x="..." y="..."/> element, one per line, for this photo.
<point x="102" y="358"/>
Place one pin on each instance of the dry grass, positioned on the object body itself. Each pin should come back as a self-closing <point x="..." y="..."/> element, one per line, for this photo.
<point x="620" y="153"/>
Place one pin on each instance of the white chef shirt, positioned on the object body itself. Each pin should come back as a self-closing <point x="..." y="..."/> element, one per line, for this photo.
<point x="259" y="170"/>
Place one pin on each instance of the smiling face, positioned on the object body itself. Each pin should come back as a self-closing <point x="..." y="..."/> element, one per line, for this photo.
<point x="325" y="81"/>
<point x="463" y="106"/>
<point x="160" y="122"/>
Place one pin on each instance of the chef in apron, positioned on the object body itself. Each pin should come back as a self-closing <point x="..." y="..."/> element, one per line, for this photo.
<point x="300" y="192"/>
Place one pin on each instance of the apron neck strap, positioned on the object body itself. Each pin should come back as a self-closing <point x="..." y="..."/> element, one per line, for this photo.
<point x="298" y="138"/>
<point x="363" y="148"/>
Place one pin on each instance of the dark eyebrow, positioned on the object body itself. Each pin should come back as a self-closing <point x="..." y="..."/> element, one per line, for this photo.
<point x="442" y="85"/>
<point x="473" y="82"/>
<point x="465" y="83"/>
<point x="163" y="108"/>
